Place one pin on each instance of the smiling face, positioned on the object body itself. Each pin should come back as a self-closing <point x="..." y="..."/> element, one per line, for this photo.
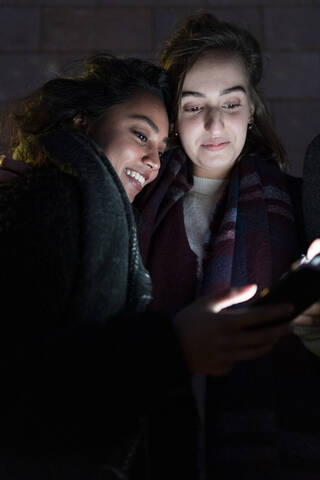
<point x="214" y="111"/>
<point x="133" y="136"/>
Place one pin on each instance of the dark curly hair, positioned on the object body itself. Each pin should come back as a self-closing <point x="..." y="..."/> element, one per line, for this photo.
<point x="104" y="81"/>
<point x="203" y="32"/>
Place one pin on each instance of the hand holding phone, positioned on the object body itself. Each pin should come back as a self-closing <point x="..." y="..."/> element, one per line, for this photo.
<point x="300" y="287"/>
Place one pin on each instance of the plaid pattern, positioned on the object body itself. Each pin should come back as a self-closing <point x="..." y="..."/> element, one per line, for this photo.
<point x="255" y="215"/>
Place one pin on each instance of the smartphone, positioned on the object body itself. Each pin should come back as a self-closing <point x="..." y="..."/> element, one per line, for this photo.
<point x="300" y="286"/>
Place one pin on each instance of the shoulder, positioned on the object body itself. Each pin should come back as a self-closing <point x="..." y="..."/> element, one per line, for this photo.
<point x="11" y="169"/>
<point x="271" y="173"/>
<point x="312" y="159"/>
<point x="294" y="189"/>
<point x="311" y="167"/>
<point x="36" y="199"/>
<point x="174" y="178"/>
<point x="311" y="191"/>
<point x="313" y="149"/>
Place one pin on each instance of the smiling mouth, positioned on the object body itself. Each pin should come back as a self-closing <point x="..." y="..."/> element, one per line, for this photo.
<point x="136" y="175"/>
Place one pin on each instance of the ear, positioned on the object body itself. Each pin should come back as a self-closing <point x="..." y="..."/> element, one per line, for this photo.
<point x="80" y="122"/>
<point x="171" y="128"/>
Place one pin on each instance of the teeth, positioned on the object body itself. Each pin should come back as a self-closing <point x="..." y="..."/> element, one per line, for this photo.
<point x="136" y="175"/>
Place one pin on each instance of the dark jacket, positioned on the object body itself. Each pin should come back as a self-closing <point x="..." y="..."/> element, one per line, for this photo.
<point x="81" y="364"/>
<point x="311" y="189"/>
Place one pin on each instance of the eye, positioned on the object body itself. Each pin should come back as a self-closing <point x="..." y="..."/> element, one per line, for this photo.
<point x="140" y="135"/>
<point x="231" y="106"/>
<point x="192" y="108"/>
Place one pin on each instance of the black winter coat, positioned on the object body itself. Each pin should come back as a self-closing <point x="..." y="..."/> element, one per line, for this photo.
<point x="311" y="190"/>
<point x="81" y="365"/>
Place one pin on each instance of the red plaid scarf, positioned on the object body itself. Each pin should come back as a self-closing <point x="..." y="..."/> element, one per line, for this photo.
<point x="253" y="232"/>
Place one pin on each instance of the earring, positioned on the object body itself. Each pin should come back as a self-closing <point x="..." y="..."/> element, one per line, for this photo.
<point x="80" y="121"/>
<point x="250" y="123"/>
<point x="173" y="132"/>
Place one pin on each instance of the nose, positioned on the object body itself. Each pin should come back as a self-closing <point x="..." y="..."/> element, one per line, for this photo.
<point x="151" y="159"/>
<point x="214" y="120"/>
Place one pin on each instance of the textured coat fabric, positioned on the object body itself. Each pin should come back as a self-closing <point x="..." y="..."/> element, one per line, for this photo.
<point x="81" y="364"/>
<point x="263" y="419"/>
<point x="311" y="190"/>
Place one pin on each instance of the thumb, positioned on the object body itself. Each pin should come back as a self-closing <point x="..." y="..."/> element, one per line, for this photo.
<point x="233" y="296"/>
<point x="313" y="249"/>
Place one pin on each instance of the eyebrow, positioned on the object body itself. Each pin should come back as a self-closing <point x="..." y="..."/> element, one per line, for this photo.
<point x="237" y="88"/>
<point x="150" y="123"/>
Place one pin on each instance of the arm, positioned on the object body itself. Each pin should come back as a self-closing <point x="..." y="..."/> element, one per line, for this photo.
<point x="11" y="169"/>
<point x="66" y="382"/>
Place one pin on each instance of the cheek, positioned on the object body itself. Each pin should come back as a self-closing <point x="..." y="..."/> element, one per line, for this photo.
<point x="239" y="127"/>
<point x="243" y="135"/>
<point x="115" y="151"/>
<point x="187" y="125"/>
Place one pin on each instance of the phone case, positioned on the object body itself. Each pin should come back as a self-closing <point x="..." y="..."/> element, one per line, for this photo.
<point x="300" y="286"/>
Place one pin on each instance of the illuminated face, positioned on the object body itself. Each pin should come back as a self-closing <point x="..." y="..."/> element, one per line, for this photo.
<point x="213" y="114"/>
<point x="133" y="136"/>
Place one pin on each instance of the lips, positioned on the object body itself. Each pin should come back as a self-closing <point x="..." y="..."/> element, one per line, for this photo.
<point x="215" y="144"/>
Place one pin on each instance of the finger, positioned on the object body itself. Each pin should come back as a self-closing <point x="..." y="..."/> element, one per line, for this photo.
<point x="254" y="338"/>
<point x="313" y="249"/>
<point x="234" y="296"/>
<point x="313" y="310"/>
<point x="255" y="352"/>
<point x="227" y="362"/>
<point x="258" y="317"/>
<point x="220" y="370"/>
<point x="307" y="320"/>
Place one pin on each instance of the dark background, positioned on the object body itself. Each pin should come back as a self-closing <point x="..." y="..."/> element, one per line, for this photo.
<point x="38" y="37"/>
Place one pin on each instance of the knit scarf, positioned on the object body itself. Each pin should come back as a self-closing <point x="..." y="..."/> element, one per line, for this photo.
<point x="253" y="232"/>
<point x="103" y="203"/>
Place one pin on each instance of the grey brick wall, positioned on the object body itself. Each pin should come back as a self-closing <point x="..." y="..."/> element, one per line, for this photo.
<point x="38" y="37"/>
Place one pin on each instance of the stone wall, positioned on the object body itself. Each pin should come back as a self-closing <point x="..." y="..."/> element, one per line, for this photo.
<point x="37" y="37"/>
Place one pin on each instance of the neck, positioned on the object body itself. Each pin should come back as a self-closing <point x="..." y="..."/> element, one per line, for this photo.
<point x="216" y="174"/>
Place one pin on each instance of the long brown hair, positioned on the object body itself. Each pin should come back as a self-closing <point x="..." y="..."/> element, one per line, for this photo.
<point x="203" y="32"/>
